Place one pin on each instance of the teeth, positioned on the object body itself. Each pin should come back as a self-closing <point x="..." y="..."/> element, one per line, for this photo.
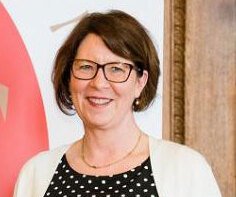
<point x="99" y="101"/>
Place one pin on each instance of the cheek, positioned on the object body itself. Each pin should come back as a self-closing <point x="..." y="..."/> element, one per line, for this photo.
<point x="76" y="91"/>
<point x="127" y="93"/>
<point x="76" y="86"/>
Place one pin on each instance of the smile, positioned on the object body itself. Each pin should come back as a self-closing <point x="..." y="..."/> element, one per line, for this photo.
<point x="99" y="101"/>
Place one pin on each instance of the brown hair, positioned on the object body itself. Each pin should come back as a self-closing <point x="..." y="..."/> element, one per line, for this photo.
<point x="125" y="37"/>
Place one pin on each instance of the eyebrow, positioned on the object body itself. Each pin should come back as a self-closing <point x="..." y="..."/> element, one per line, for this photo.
<point x="112" y="62"/>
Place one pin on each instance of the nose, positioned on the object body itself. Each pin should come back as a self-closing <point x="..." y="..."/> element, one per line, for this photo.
<point x="99" y="81"/>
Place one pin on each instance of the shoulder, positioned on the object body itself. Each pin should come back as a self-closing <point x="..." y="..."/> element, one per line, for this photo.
<point x="175" y="158"/>
<point x="48" y="156"/>
<point x="46" y="160"/>
<point x="173" y="151"/>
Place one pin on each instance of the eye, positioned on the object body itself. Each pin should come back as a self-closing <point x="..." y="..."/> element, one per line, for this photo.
<point x="115" y="69"/>
<point x="85" y="67"/>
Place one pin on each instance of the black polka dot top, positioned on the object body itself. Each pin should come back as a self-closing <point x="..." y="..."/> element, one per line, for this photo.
<point x="137" y="182"/>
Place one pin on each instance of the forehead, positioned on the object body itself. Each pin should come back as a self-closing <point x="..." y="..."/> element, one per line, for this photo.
<point x="93" y="48"/>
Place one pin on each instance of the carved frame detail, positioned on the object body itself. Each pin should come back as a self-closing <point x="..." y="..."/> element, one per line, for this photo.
<point x="174" y="70"/>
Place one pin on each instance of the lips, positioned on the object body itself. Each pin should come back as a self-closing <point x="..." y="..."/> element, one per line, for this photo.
<point x="99" y="101"/>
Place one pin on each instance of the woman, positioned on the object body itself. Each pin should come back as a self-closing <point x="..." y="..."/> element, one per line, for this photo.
<point x="106" y="69"/>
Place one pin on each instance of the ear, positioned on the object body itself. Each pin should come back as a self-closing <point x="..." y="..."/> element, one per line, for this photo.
<point x="141" y="82"/>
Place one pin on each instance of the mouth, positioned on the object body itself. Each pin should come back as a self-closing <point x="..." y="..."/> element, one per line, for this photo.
<point x="99" y="101"/>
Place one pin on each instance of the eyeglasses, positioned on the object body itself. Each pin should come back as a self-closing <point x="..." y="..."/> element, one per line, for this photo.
<point x="117" y="72"/>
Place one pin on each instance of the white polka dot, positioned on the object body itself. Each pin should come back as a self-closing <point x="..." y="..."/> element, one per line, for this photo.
<point x="131" y="190"/>
<point x="68" y="186"/>
<point x="71" y="177"/>
<point x="153" y="184"/>
<point x="56" y="172"/>
<point x="117" y="182"/>
<point x="81" y="186"/>
<point x="125" y="175"/>
<point x="102" y="192"/>
<point x="145" y="179"/>
<point x="89" y="181"/>
<point x="122" y="195"/>
<point x="60" y="177"/>
<point x="93" y="195"/>
<point x="76" y="182"/>
<point x="137" y="195"/>
<point x="124" y="186"/>
<point x="65" y="196"/>
<point x="73" y="191"/>
<point x="132" y="180"/>
<point x="64" y="166"/>
<point x="103" y="182"/>
<point x="139" y="173"/>
<point x="78" y="195"/>
<point x="55" y="188"/>
<point x="146" y="167"/>
<point x="138" y="184"/>
<point x="52" y="183"/>
<point x="87" y="191"/>
<point x="60" y="192"/>
<point x="145" y="190"/>
<point x="84" y="176"/>
<point x="132" y="170"/>
<point x="48" y="194"/>
<point x="116" y="191"/>
<point x="67" y="171"/>
<point x="63" y="182"/>
<point x="96" y="188"/>
<point x="110" y="187"/>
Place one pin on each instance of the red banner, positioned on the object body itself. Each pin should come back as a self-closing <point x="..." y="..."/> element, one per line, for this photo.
<point x="23" y="129"/>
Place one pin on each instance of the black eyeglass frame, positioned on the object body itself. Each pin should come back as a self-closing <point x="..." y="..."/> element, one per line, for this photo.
<point x="102" y="66"/>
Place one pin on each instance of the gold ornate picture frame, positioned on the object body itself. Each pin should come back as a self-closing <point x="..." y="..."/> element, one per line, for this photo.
<point x="174" y="47"/>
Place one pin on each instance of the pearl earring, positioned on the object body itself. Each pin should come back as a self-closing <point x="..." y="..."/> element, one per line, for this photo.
<point x="136" y="102"/>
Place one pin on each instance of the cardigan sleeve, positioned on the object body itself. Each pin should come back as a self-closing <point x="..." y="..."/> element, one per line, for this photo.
<point x="24" y="184"/>
<point x="180" y="171"/>
<point x="36" y="174"/>
<point x="203" y="181"/>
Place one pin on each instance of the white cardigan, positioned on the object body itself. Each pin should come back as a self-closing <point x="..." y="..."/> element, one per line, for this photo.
<point x="178" y="172"/>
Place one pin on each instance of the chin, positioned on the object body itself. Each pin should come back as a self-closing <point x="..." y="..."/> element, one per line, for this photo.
<point x="99" y="122"/>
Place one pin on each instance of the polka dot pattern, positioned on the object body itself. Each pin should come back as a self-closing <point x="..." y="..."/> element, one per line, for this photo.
<point x="134" y="183"/>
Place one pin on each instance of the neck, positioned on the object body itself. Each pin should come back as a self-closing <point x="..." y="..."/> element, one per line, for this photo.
<point x="104" y="146"/>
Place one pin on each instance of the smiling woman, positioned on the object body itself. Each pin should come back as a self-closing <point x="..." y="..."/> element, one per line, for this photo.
<point x="105" y="95"/>
<point x="107" y="69"/>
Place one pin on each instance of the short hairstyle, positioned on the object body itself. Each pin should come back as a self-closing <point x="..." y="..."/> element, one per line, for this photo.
<point x="124" y="36"/>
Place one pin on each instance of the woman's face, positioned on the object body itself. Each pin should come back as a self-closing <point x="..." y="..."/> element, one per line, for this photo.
<point x="98" y="102"/>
